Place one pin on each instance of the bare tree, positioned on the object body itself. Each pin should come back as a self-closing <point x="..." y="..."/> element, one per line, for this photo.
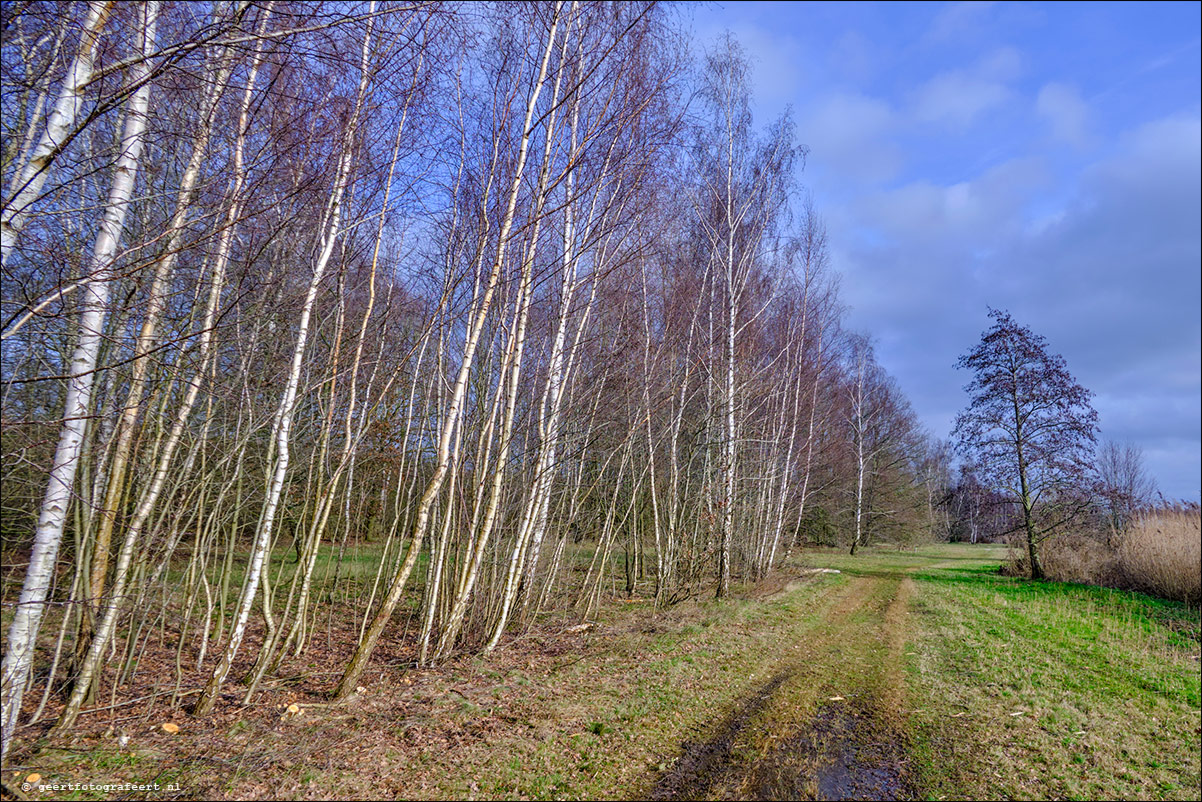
<point x="1029" y="427"/>
<point x="28" y="182"/>
<point x="23" y="631"/>
<point x="1125" y="483"/>
<point x="740" y="201"/>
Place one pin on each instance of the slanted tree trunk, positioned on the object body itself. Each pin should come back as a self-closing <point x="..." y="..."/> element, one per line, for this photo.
<point x="27" y="618"/>
<point x="367" y="643"/>
<point x="146" y="505"/>
<point x="58" y="129"/>
<point x="284" y="415"/>
<point x="155" y="306"/>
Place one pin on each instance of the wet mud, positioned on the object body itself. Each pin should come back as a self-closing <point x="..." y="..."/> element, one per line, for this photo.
<point x="843" y="752"/>
<point x="702" y="766"/>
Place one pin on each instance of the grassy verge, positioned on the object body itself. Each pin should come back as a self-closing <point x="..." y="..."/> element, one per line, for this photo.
<point x="604" y="723"/>
<point x="1050" y="690"/>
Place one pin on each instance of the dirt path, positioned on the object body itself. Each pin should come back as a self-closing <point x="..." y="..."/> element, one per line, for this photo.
<point x="794" y="690"/>
<point x="827" y="724"/>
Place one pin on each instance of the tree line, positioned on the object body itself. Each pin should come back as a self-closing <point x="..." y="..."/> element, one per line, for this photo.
<point x="344" y="315"/>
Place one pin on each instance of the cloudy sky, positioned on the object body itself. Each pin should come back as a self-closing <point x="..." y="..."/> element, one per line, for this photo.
<point x="1042" y="159"/>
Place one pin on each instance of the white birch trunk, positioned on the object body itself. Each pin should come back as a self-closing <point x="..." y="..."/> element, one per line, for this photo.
<point x="58" y="129"/>
<point x="23" y="631"/>
<point x="150" y="498"/>
<point x="156" y="303"/>
<point x="476" y="327"/>
<point x="283" y="432"/>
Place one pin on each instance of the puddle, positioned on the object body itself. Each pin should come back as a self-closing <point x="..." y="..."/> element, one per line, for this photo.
<point x="842" y="753"/>
<point x="859" y="761"/>
<point x="703" y="765"/>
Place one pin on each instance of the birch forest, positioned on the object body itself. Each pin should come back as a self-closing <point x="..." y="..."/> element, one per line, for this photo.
<point x="339" y="329"/>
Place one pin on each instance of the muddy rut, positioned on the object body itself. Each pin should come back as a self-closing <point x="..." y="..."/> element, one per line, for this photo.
<point x="827" y="724"/>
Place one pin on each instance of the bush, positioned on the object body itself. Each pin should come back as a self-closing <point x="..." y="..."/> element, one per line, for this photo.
<point x="1079" y="558"/>
<point x="1160" y="553"/>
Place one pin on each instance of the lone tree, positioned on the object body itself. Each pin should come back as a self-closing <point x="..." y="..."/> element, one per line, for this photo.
<point x="1029" y="427"/>
<point x="1125" y="484"/>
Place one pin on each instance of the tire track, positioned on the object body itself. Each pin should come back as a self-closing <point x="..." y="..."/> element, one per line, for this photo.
<point x="828" y="724"/>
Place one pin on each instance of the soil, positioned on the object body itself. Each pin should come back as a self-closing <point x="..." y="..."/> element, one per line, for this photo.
<point x="703" y="765"/>
<point x="826" y="724"/>
<point x="849" y="745"/>
<point x="842" y="754"/>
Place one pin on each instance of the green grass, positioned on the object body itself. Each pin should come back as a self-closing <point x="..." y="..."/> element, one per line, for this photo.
<point x="602" y="729"/>
<point x="1106" y="684"/>
<point x="1044" y="690"/>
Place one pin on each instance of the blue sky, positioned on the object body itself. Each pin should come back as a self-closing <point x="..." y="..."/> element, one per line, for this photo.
<point x="1042" y="159"/>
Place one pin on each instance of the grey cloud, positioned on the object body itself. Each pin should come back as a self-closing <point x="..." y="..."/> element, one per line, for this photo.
<point x="1112" y="280"/>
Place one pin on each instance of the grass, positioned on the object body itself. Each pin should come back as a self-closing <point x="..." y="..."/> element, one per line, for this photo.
<point x="1160" y="553"/>
<point x="943" y="649"/>
<point x="1049" y="690"/>
<point x="603" y="727"/>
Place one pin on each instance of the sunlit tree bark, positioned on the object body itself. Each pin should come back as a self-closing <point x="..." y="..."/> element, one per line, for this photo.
<point x="23" y="631"/>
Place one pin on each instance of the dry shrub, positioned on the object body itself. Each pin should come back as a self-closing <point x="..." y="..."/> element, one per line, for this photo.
<point x="1067" y="558"/>
<point x="1016" y="563"/>
<point x="1080" y="558"/>
<point x="1161" y="553"/>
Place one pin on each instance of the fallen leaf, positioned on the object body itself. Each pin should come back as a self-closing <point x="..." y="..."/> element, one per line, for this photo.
<point x="1017" y="713"/>
<point x="1079" y="732"/>
<point x="34" y="778"/>
<point x="958" y="715"/>
<point x="836" y="699"/>
<point x="171" y="728"/>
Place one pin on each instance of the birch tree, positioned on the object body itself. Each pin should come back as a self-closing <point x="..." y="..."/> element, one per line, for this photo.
<point x="23" y="631"/>
<point x="739" y="200"/>
<point x="451" y="416"/>
<point x="101" y="638"/>
<point x="28" y="181"/>
<point x="282" y="425"/>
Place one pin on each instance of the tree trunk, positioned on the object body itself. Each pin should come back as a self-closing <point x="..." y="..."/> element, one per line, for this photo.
<point x="367" y="643"/>
<point x="58" y="130"/>
<point x="23" y="631"/>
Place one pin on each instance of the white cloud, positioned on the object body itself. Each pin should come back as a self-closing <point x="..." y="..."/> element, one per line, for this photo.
<point x="850" y="134"/>
<point x="1065" y="111"/>
<point x="958" y="97"/>
<point x="955" y="21"/>
<point x="1161" y="153"/>
<point x="852" y="58"/>
<point x="978" y="214"/>
<point x="1000" y="64"/>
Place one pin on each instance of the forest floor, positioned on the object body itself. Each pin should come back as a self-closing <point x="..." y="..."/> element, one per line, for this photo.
<point x="912" y="674"/>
